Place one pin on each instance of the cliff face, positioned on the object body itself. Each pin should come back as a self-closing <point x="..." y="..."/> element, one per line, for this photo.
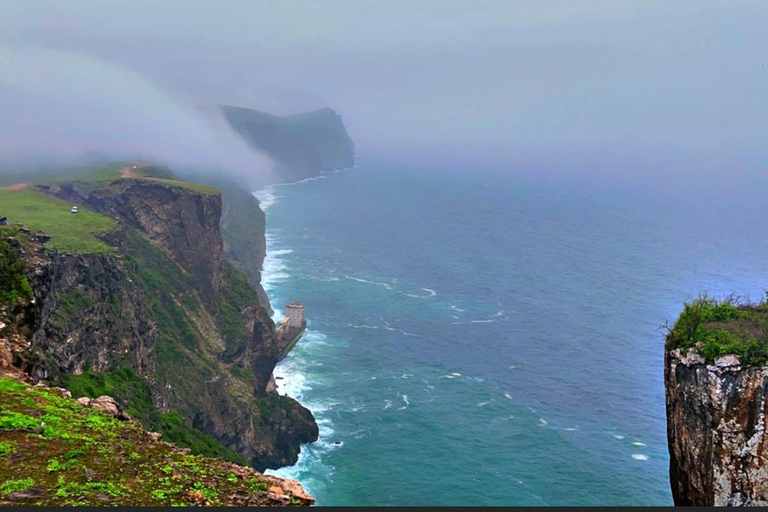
<point x="243" y="228"/>
<point x="302" y="145"/>
<point x="167" y="304"/>
<point x="716" y="422"/>
<point x="183" y="223"/>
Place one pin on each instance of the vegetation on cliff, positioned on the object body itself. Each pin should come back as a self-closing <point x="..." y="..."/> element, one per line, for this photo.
<point x="55" y="451"/>
<point x="717" y="327"/>
<point x="133" y="392"/>
<point x="13" y="283"/>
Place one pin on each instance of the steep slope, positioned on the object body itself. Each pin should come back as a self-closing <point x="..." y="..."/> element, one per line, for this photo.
<point x="716" y="382"/>
<point x="164" y="302"/>
<point x="301" y="145"/>
<point x="55" y="451"/>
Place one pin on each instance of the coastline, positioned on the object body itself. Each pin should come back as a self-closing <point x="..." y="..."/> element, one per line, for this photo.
<point x="290" y="374"/>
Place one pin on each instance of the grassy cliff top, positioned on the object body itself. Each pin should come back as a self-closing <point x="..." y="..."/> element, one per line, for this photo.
<point x="40" y="212"/>
<point x="26" y="205"/>
<point x="717" y="327"/>
<point x="57" y="452"/>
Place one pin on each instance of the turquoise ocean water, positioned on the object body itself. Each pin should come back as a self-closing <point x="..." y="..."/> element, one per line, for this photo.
<point x="492" y="339"/>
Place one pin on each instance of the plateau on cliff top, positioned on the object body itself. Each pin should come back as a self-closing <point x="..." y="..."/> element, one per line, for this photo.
<point x="716" y="327"/>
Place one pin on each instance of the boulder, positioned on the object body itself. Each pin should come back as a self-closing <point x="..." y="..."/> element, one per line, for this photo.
<point x="110" y="406"/>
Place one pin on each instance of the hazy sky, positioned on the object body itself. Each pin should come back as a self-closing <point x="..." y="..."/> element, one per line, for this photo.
<point x="444" y="76"/>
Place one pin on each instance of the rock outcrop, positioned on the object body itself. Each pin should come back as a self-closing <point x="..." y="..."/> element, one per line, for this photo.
<point x="716" y="423"/>
<point x="301" y="145"/>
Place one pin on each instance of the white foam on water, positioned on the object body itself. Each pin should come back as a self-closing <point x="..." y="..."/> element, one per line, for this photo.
<point x="570" y="429"/>
<point x="456" y="308"/>
<point x="363" y="326"/>
<point x="266" y="197"/>
<point x="456" y="374"/>
<point x="507" y="395"/>
<point x="542" y="422"/>
<point x="389" y="327"/>
<point x="638" y="443"/>
<point x="375" y="283"/>
<point x="639" y="456"/>
<point x="406" y="375"/>
<point x="618" y="436"/>
<point x="431" y="292"/>
<point x="305" y="180"/>
<point x="481" y="404"/>
<point x="489" y="321"/>
<point x="407" y="403"/>
<point x="387" y="404"/>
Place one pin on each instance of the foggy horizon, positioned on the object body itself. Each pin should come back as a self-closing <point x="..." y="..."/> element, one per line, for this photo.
<point x="500" y="81"/>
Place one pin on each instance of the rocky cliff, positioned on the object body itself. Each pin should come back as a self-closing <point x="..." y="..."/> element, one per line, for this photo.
<point x="301" y="145"/>
<point x="164" y="302"/>
<point x="717" y="399"/>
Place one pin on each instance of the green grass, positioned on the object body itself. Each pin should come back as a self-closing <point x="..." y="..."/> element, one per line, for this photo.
<point x="99" y="172"/>
<point x="15" y="485"/>
<point x="70" y="232"/>
<point x="132" y="391"/>
<point x="205" y="189"/>
<point x="716" y="327"/>
<point x="90" y="458"/>
<point x="7" y="448"/>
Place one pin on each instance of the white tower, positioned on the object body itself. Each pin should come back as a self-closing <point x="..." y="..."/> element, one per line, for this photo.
<point x="295" y="315"/>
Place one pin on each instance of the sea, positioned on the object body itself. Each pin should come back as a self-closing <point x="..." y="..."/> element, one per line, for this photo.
<point x="494" y="337"/>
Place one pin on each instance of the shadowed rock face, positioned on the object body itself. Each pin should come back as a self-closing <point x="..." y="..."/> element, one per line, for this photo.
<point x="202" y="341"/>
<point x="77" y="300"/>
<point x="182" y="222"/>
<point x="302" y="145"/>
<point x="716" y="421"/>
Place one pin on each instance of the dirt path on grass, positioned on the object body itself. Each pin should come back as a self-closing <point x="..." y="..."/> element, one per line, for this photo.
<point x="127" y="172"/>
<point x="17" y="186"/>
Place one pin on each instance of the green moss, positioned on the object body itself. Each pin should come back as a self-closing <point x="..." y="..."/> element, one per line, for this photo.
<point x="7" y="448"/>
<point x="15" y="485"/>
<point x="12" y="420"/>
<point x="74" y="302"/>
<point x="75" y="233"/>
<point x="720" y="327"/>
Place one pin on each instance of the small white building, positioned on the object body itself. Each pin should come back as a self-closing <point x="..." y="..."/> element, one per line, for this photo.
<point x="295" y="315"/>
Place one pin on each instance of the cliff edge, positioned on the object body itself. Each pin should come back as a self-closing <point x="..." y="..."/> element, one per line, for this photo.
<point x="716" y="382"/>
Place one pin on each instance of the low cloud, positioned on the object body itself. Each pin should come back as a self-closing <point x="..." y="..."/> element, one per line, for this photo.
<point x="65" y="108"/>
